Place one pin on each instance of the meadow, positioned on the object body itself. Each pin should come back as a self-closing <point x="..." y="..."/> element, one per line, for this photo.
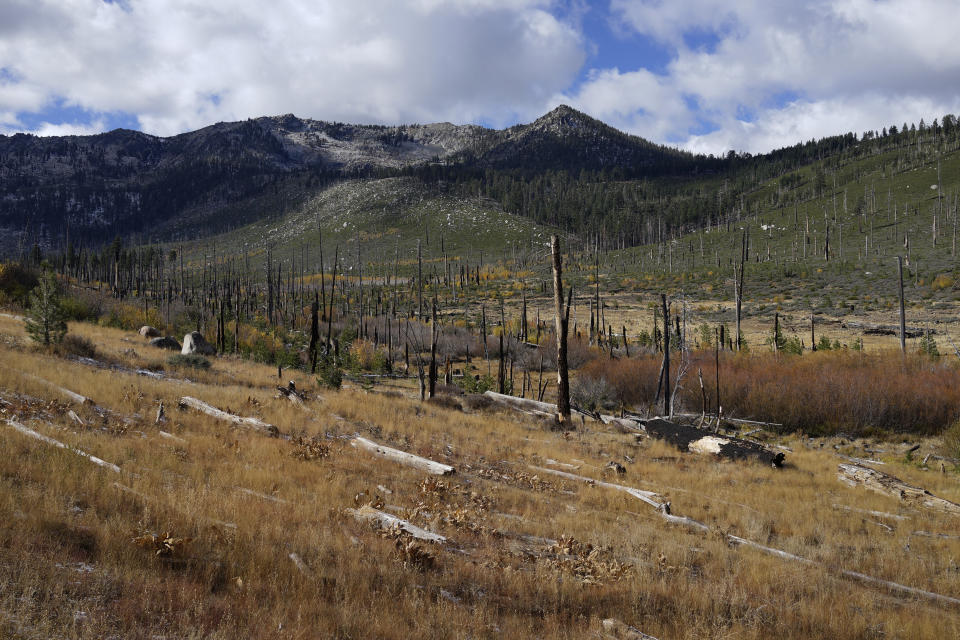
<point x="212" y="530"/>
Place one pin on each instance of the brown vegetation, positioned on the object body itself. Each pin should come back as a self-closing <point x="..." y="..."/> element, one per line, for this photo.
<point x="227" y="533"/>
<point x="817" y="393"/>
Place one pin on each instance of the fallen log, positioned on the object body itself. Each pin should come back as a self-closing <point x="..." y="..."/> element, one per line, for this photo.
<point x="526" y="404"/>
<point x="291" y="393"/>
<point x="300" y="564"/>
<point x="403" y="457"/>
<point x="251" y="423"/>
<point x="696" y="440"/>
<point x="170" y="436"/>
<point x="262" y="496"/>
<point x="855" y="575"/>
<point x="624" y="631"/>
<point x="83" y="454"/>
<point x="663" y="508"/>
<point x="927" y="534"/>
<point x="655" y="500"/>
<point x="877" y="514"/>
<point x="369" y="514"/>
<point x="853" y="475"/>
<point x="713" y="416"/>
<point x="874" y="329"/>
<point x="73" y="395"/>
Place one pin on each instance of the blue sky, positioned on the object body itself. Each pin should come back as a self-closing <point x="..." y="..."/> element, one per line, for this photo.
<point x="706" y="75"/>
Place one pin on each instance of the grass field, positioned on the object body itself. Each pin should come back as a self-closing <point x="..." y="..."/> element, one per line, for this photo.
<point x="262" y="545"/>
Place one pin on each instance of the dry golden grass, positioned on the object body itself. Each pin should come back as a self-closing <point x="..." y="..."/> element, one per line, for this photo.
<point x="69" y="567"/>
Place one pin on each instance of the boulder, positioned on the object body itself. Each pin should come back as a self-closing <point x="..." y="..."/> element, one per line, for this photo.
<point x="166" y="342"/>
<point x="194" y="342"/>
<point x="149" y="332"/>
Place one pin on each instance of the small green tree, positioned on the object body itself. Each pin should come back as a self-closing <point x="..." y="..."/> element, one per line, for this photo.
<point x="45" y="320"/>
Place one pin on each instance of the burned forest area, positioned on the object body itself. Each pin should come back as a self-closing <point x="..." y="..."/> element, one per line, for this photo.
<point x="553" y="381"/>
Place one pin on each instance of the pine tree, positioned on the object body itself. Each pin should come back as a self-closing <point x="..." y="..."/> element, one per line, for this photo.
<point x="45" y="320"/>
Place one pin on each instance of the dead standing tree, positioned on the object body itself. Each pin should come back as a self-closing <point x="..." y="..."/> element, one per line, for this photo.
<point x="738" y="281"/>
<point x="562" y="323"/>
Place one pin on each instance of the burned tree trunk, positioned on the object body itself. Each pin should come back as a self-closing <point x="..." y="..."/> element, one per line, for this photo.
<point x="903" y="316"/>
<point x="562" y="323"/>
<point x="314" y="332"/>
<point x="666" y="355"/>
<point x="433" y="350"/>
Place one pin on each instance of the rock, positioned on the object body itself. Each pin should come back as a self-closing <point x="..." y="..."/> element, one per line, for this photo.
<point x="166" y="342"/>
<point x="149" y="332"/>
<point x="194" y="342"/>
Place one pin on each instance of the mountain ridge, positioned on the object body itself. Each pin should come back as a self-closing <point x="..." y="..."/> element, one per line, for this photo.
<point x="125" y="181"/>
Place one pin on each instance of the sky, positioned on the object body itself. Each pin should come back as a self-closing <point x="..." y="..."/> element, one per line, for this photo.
<point x="704" y="75"/>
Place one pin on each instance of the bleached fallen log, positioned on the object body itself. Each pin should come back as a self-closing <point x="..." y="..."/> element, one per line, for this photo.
<point x="624" y="425"/>
<point x="713" y="416"/>
<point x="83" y="454"/>
<point x="300" y="564"/>
<point x="262" y="496"/>
<point x="877" y="514"/>
<point x="696" y="440"/>
<point x="527" y="404"/>
<point x="927" y="534"/>
<point x="855" y="575"/>
<point x="73" y="395"/>
<point x="624" y="631"/>
<point x="403" y="457"/>
<point x="565" y="465"/>
<point x="853" y="475"/>
<point x="369" y="514"/>
<point x="655" y="500"/>
<point x="251" y="423"/>
<point x="170" y="436"/>
<point x="125" y="489"/>
<point x="860" y="461"/>
<point x="663" y="508"/>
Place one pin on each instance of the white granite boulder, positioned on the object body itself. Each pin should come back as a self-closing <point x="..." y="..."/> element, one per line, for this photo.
<point x="194" y="342"/>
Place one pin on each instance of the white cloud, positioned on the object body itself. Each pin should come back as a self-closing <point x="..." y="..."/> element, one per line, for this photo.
<point x="764" y="73"/>
<point x="181" y="64"/>
<point x="775" y="72"/>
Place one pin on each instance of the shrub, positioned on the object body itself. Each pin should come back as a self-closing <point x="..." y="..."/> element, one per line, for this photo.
<point x="822" y="393"/>
<point x="928" y="347"/>
<point x="365" y="356"/>
<point x="79" y="310"/>
<point x="329" y="374"/>
<point x="74" y="345"/>
<point x="192" y="360"/>
<point x="476" y="383"/>
<point x="592" y="394"/>
<point x="951" y="441"/>
<point x="131" y="318"/>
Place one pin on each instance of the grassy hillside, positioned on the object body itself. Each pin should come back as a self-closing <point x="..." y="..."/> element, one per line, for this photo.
<point x="388" y="217"/>
<point x="260" y="541"/>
